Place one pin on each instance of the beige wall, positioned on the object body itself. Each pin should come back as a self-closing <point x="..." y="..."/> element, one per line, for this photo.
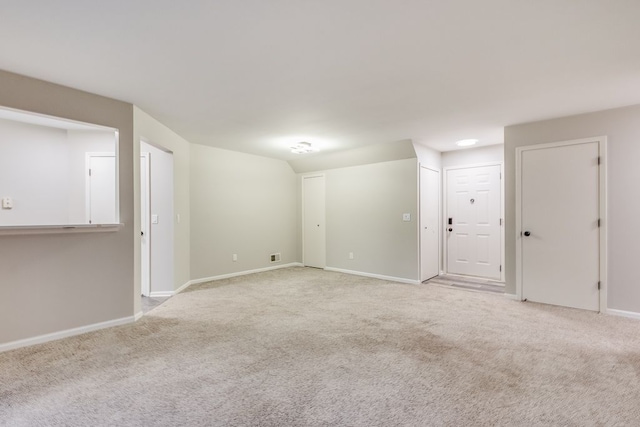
<point x="369" y="154"/>
<point x="621" y="126"/>
<point x="50" y="283"/>
<point x="152" y="131"/>
<point x="364" y="206"/>
<point x="240" y="204"/>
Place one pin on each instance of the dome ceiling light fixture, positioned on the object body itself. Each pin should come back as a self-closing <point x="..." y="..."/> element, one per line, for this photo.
<point x="466" y="142"/>
<point x="303" y="148"/>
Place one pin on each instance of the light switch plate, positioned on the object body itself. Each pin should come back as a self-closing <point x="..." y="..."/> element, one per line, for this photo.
<point x="154" y="219"/>
<point x="7" y="203"/>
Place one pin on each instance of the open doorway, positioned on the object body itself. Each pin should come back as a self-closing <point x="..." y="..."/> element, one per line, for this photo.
<point x="157" y="223"/>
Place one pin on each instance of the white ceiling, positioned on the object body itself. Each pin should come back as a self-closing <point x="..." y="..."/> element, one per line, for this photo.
<point x="257" y="76"/>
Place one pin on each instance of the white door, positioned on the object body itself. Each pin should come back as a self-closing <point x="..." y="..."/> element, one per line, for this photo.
<point x="559" y="220"/>
<point x="429" y="223"/>
<point x="473" y="221"/>
<point x="101" y="188"/>
<point x="313" y="211"/>
<point x="145" y="200"/>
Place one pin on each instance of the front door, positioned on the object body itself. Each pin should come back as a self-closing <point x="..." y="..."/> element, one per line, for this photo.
<point x="560" y="229"/>
<point x="473" y="221"/>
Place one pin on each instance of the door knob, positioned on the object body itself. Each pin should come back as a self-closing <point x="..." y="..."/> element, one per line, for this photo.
<point x="451" y="229"/>
<point x="527" y="233"/>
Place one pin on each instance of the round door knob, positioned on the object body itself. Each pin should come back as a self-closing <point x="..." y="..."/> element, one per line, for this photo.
<point x="451" y="229"/>
<point x="527" y="233"/>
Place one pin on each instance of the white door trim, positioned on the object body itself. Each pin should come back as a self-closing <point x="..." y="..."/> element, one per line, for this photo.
<point x="602" y="193"/>
<point x="302" y="178"/>
<point x="444" y="204"/>
<point x="145" y="180"/>
<point x="420" y="218"/>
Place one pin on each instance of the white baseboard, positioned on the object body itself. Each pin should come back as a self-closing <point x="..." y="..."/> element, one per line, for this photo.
<point x="182" y="288"/>
<point x="374" y="276"/>
<point x="138" y="316"/>
<point x="622" y="313"/>
<point x="66" y="333"/>
<point x="161" y="294"/>
<point x="241" y="273"/>
<point x="512" y="296"/>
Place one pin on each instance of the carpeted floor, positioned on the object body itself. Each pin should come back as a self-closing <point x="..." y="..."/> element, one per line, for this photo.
<point x="305" y="347"/>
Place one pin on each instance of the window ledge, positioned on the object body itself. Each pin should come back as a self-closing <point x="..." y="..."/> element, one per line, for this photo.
<point x="7" y="230"/>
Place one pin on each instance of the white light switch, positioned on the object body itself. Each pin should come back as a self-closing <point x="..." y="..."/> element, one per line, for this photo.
<point x="154" y="219"/>
<point x="7" y="203"/>
<point x="406" y="217"/>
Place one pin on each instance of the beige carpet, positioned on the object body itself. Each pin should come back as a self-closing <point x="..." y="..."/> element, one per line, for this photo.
<point x="304" y="347"/>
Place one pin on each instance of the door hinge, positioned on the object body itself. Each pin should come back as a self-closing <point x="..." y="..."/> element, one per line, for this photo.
<point x="598" y="159"/>
<point x="500" y="268"/>
<point x="598" y="285"/>
<point x="500" y="175"/>
<point x="598" y="222"/>
<point x="89" y="172"/>
<point x="500" y="221"/>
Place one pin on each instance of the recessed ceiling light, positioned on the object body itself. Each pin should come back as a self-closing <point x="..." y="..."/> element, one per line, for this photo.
<point x="466" y="142"/>
<point x="303" y="148"/>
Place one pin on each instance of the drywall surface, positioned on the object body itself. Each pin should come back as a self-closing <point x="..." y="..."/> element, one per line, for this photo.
<point x="364" y="208"/>
<point x="43" y="170"/>
<point x="162" y="223"/>
<point x="359" y="156"/>
<point x="52" y="283"/>
<point x="621" y="126"/>
<point x="148" y="129"/>
<point x="34" y="172"/>
<point x="428" y="157"/>
<point x="240" y="204"/>
<point x="473" y="156"/>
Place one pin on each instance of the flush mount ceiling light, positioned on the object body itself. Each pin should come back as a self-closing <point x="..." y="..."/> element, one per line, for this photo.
<point x="466" y="142"/>
<point x="303" y="148"/>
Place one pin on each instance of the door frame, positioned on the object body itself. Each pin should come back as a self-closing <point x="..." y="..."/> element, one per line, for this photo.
<point x="445" y="210"/>
<point x="602" y="200"/>
<point x="302" y="216"/>
<point x="420" y="217"/>
<point x="145" y="181"/>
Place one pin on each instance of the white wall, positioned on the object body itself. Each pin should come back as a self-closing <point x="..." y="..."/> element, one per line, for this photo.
<point x="364" y="208"/>
<point x="34" y="172"/>
<point x="149" y="129"/>
<point x="428" y="157"/>
<point x="161" y="233"/>
<point x="622" y="128"/>
<point x="473" y="156"/>
<point x="240" y="204"/>
<point x="50" y="283"/>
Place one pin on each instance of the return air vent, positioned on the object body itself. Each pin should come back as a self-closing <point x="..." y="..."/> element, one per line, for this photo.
<point x="275" y="257"/>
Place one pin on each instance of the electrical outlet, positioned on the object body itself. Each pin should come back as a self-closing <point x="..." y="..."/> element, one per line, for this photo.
<point x="7" y="203"/>
<point x="350" y="255"/>
<point x="406" y="217"/>
<point x="234" y="257"/>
